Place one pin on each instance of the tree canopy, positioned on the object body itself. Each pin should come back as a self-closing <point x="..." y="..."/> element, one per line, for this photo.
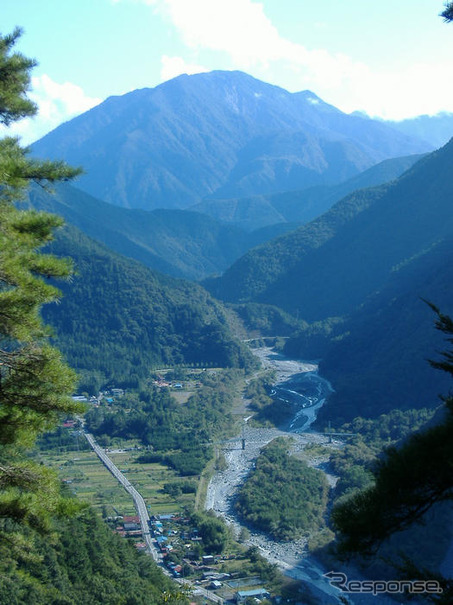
<point x="447" y="13"/>
<point x="35" y="384"/>
<point x="408" y="480"/>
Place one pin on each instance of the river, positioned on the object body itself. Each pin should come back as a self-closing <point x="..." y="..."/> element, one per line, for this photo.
<point x="299" y="384"/>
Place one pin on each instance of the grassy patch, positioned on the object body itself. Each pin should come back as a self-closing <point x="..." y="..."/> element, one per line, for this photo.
<point x="93" y="483"/>
<point x="182" y="396"/>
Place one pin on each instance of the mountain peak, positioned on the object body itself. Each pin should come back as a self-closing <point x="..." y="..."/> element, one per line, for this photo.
<point x="216" y="133"/>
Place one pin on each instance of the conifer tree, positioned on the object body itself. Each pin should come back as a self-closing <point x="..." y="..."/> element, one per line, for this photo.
<point x="411" y="479"/>
<point x="408" y="480"/>
<point x="35" y="383"/>
<point x="447" y="13"/>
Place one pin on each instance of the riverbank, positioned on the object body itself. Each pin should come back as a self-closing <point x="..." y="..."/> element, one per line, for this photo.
<point x="297" y="384"/>
<point x="292" y="558"/>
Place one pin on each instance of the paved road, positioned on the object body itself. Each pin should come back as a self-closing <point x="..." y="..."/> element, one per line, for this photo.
<point x="139" y="503"/>
<point x="142" y="512"/>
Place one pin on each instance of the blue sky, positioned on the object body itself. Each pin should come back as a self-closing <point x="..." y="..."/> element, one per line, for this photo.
<point x="389" y="58"/>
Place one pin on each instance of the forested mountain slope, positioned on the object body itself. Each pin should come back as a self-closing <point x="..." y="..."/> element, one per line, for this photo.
<point x="370" y="260"/>
<point x="52" y="550"/>
<point x="220" y="133"/>
<point x="331" y="265"/>
<point x="300" y="206"/>
<point x="118" y="319"/>
<point x="81" y="563"/>
<point x="176" y="242"/>
<point x="377" y="359"/>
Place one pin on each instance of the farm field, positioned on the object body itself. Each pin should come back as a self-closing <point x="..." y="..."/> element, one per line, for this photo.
<point x="88" y="478"/>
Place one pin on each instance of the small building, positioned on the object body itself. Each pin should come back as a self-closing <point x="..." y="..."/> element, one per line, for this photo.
<point x="131" y="526"/>
<point x="257" y="593"/>
<point x="177" y="571"/>
<point x="131" y="523"/>
<point x="161" y="543"/>
<point x="207" y="560"/>
<point x="212" y="575"/>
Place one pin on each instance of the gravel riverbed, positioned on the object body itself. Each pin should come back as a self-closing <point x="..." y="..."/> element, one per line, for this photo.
<point x="290" y="557"/>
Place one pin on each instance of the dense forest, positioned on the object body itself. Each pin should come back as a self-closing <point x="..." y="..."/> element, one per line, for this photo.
<point x="117" y="320"/>
<point x="283" y="496"/>
<point x="80" y="562"/>
<point x="178" y="435"/>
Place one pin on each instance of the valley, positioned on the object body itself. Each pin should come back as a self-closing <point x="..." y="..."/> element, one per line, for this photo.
<point x="291" y="557"/>
<point x="296" y="283"/>
<point x="154" y="314"/>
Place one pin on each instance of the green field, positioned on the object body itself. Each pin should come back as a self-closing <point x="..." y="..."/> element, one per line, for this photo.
<point x="89" y="479"/>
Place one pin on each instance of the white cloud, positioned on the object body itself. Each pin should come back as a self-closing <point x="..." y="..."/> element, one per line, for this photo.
<point x="242" y="32"/>
<point x="60" y="99"/>
<point x="241" y="29"/>
<point x="420" y="89"/>
<point x="175" y="66"/>
<point x="238" y="27"/>
<point x="56" y="103"/>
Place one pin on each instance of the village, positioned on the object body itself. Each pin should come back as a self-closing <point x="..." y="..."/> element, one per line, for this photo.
<point x="226" y="576"/>
<point x="181" y="547"/>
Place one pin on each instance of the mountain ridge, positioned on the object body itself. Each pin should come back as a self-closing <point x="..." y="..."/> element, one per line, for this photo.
<point x="358" y="274"/>
<point x="188" y="138"/>
<point x="268" y="273"/>
<point x="299" y="206"/>
<point x="180" y="243"/>
<point x="117" y="319"/>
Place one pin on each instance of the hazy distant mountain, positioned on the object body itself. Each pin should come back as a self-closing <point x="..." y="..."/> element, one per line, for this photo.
<point x="222" y="133"/>
<point x="299" y="206"/>
<point x="176" y="242"/>
<point x="435" y="130"/>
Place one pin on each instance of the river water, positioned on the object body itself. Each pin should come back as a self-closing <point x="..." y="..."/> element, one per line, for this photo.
<point x="299" y="385"/>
